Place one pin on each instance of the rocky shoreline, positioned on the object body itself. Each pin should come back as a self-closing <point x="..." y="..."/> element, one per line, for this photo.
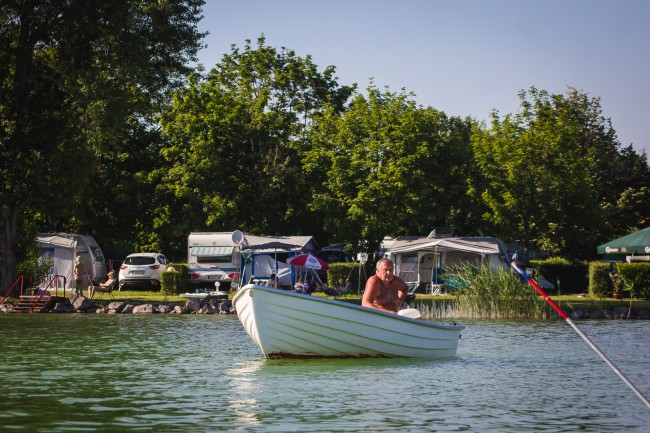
<point x="617" y="313"/>
<point x="82" y="304"/>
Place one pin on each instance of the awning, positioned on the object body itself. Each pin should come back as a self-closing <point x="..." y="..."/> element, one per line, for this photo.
<point x="446" y="244"/>
<point x="211" y="251"/>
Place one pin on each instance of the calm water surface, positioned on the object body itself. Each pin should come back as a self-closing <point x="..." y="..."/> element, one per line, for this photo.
<point x="98" y="373"/>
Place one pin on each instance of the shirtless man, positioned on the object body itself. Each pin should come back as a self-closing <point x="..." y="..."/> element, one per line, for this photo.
<point x="384" y="291"/>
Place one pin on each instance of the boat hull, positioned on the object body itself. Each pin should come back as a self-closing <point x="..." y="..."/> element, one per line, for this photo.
<point x="286" y="324"/>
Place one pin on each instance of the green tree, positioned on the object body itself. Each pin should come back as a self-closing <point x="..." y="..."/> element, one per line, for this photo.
<point x="74" y="73"/>
<point x="389" y="167"/>
<point x="547" y="171"/>
<point x="235" y="140"/>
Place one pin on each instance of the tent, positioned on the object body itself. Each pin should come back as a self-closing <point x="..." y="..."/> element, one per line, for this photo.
<point x="268" y="255"/>
<point x="62" y="248"/>
<point x="636" y="243"/>
<point x="420" y="261"/>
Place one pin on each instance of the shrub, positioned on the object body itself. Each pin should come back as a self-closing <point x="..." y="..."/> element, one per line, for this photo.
<point x="636" y="278"/>
<point x="169" y="283"/>
<point x="600" y="284"/>
<point x="568" y="277"/>
<point x="182" y="269"/>
<point x="345" y="271"/>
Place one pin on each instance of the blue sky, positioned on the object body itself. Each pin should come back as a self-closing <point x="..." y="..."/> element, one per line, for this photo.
<point x="464" y="57"/>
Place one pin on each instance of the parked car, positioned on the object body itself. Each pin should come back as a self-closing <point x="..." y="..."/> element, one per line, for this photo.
<point x="142" y="270"/>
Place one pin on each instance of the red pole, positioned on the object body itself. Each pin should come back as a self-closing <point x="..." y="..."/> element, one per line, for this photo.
<point x="590" y="343"/>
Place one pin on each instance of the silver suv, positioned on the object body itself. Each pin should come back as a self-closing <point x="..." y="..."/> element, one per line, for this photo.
<point x="142" y="270"/>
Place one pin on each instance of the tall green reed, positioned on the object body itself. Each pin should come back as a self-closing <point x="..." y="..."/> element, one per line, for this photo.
<point x="483" y="293"/>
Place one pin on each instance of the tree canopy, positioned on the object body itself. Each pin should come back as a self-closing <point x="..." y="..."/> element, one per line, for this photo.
<point x="77" y="79"/>
<point x="554" y="173"/>
<point x="105" y="130"/>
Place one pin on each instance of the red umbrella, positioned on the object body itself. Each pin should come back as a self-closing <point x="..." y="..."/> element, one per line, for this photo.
<point x="308" y="261"/>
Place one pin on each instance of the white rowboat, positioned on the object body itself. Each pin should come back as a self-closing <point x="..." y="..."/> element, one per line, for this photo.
<point x="286" y="324"/>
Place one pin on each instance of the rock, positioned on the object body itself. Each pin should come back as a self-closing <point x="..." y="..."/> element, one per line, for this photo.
<point x="579" y="313"/>
<point x="207" y="309"/>
<point x="597" y="314"/>
<point x="621" y="312"/>
<point x="7" y="307"/>
<point x="128" y="309"/>
<point x="143" y="309"/>
<point x="164" y="308"/>
<point x="116" y="307"/>
<point x="179" y="310"/>
<point x="226" y="307"/>
<point x="643" y="313"/>
<point x="80" y="302"/>
<point x="193" y="305"/>
<point x="62" y="308"/>
<point x="102" y="309"/>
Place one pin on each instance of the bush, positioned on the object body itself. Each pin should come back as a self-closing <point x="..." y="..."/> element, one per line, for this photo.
<point x="600" y="284"/>
<point x="344" y="271"/>
<point x="568" y="277"/>
<point x="636" y="278"/>
<point x="182" y="269"/>
<point x="169" y="283"/>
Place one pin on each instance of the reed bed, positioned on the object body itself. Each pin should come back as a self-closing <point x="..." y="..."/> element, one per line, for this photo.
<point x="483" y="293"/>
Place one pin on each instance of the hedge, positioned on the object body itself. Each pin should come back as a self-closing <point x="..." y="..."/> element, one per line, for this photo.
<point x="346" y="271"/>
<point x="568" y="277"/>
<point x="173" y="282"/>
<point x="635" y="276"/>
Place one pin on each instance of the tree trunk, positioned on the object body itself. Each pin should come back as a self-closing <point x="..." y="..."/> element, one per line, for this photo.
<point x="8" y="248"/>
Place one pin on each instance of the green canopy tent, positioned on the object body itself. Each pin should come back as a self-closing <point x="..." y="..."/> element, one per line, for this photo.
<point x="637" y="243"/>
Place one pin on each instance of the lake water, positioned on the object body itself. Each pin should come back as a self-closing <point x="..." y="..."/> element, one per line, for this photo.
<point x="170" y="373"/>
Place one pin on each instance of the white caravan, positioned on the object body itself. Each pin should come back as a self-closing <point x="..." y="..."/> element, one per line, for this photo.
<point x="421" y="261"/>
<point x="214" y="257"/>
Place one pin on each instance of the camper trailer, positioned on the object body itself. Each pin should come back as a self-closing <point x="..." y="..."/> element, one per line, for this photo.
<point x="421" y="261"/>
<point x="63" y="249"/>
<point x="213" y="257"/>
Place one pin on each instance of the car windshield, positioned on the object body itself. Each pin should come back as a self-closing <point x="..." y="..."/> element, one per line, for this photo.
<point x="139" y="260"/>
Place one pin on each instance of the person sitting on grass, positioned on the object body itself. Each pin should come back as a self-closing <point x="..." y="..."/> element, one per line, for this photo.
<point x="102" y="287"/>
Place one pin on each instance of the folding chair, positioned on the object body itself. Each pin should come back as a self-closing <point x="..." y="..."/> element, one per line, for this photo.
<point x="108" y="290"/>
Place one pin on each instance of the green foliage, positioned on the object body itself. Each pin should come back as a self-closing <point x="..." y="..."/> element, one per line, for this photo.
<point x="485" y="293"/>
<point x="600" y="283"/>
<point x="181" y="269"/>
<point x="345" y="271"/>
<point x="71" y="94"/>
<point x="233" y="156"/>
<point x="636" y="278"/>
<point x="169" y="283"/>
<point x="568" y="277"/>
<point x="377" y="160"/>
<point x="552" y="173"/>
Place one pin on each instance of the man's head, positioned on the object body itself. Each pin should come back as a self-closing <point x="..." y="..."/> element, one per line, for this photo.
<point x="385" y="270"/>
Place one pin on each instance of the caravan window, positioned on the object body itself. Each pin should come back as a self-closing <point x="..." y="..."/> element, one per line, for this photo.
<point x="97" y="253"/>
<point x="213" y="259"/>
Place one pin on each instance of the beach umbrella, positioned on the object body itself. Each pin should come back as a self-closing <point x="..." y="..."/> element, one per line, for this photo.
<point x="308" y="261"/>
<point x="633" y="243"/>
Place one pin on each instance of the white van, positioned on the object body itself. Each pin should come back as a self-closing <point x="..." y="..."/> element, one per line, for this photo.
<point x="214" y="257"/>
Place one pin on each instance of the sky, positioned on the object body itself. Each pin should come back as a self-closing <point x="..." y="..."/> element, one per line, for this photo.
<point x="463" y="57"/>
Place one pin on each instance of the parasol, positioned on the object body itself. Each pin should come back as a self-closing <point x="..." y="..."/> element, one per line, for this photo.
<point x="308" y="261"/>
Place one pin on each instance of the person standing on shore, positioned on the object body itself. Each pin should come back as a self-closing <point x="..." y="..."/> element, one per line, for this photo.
<point x="384" y="291"/>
